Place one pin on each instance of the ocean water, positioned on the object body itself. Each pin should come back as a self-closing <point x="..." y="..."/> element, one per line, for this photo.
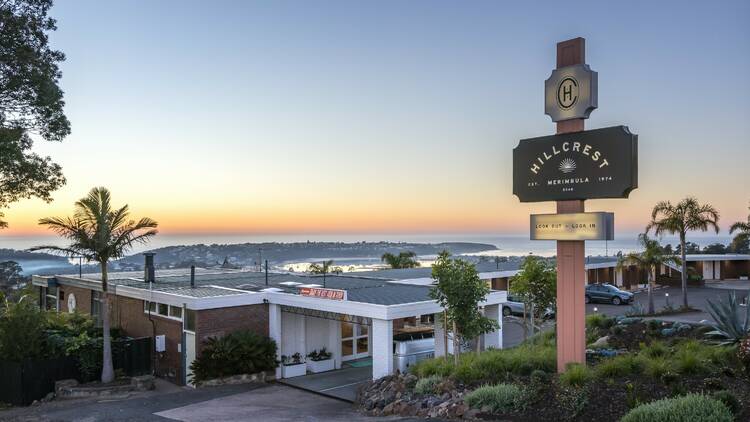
<point x="506" y="244"/>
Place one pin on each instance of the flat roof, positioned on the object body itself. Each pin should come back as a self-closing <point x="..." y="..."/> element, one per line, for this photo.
<point x="223" y="282"/>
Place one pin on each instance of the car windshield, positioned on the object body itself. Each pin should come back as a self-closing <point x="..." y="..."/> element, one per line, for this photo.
<point x="614" y="289"/>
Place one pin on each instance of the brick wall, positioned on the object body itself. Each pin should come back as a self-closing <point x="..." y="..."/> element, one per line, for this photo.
<point x="222" y="321"/>
<point x="83" y="299"/>
<point x="127" y="314"/>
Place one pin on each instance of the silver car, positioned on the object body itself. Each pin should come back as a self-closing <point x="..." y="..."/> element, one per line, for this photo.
<point x="514" y="306"/>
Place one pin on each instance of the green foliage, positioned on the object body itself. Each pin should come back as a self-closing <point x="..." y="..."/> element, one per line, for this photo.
<point x="501" y="398"/>
<point x="31" y="102"/>
<point x="241" y="352"/>
<point x="428" y="385"/>
<point x="731" y="326"/>
<point x="619" y="366"/>
<point x="458" y="289"/>
<point x="22" y="327"/>
<point x="729" y="400"/>
<point x="402" y="260"/>
<point x="437" y="366"/>
<point x="572" y="400"/>
<point x="318" y="355"/>
<point x="600" y="321"/>
<point x="648" y="260"/>
<point x="325" y="267"/>
<point x="536" y="284"/>
<point x="656" y="367"/>
<point x="688" y="408"/>
<point x="654" y="350"/>
<point x="494" y="366"/>
<point x="576" y="375"/>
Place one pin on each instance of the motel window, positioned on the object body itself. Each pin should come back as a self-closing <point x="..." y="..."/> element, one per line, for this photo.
<point x="162" y="309"/>
<point x="51" y="298"/>
<point x="149" y="307"/>
<point x="190" y="320"/>
<point x="175" y="312"/>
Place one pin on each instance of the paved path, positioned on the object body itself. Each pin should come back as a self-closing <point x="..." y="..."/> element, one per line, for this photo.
<point x="236" y="403"/>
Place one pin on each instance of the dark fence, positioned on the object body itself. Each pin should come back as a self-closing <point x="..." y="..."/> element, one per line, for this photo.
<point x="23" y="382"/>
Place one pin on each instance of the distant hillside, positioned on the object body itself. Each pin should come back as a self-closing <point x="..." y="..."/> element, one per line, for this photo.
<point x="247" y="254"/>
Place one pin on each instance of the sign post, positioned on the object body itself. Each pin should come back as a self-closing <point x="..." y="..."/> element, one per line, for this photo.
<point x="570" y="167"/>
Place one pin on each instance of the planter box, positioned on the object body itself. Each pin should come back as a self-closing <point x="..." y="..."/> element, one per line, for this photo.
<point x="291" y="371"/>
<point x="320" y="365"/>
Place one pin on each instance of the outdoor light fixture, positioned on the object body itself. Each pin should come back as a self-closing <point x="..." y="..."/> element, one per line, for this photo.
<point x="596" y="309"/>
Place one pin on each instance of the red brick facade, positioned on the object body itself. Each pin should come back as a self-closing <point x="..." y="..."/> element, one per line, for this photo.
<point x="127" y="314"/>
<point x="83" y="299"/>
<point x="222" y="321"/>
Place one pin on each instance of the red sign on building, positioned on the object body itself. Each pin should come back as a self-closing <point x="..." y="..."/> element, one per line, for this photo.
<point x="333" y="294"/>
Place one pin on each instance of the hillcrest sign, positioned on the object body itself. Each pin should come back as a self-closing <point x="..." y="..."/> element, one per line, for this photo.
<point x="570" y="167"/>
<point x="601" y="163"/>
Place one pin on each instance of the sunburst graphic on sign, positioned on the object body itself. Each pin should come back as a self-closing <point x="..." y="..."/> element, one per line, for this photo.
<point x="567" y="165"/>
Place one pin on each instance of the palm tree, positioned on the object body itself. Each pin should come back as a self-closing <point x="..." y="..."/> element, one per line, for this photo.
<point x="324" y="268"/>
<point x="687" y="215"/>
<point x="742" y="227"/>
<point x="99" y="233"/>
<point x="402" y="260"/>
<point x="649" y="260"/>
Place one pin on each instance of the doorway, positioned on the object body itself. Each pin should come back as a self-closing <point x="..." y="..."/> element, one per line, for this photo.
<point x="355" y="341"/>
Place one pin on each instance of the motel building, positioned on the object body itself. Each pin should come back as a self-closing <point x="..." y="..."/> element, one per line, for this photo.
<point x="358" y="318"/>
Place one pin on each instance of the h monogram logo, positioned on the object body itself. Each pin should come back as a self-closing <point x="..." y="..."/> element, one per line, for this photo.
<point x="567" y="93"/>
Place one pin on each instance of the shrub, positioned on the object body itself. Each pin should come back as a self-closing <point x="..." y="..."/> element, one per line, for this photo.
<point x="539" y="377"/>
<point x="619" y="366"/>
<point x="319" y="355"/>
<point x="656" y="367"/>
<point x="688" y="408"/>
<point x="656" y="349"/>
<point x="576" y="375"/>
<point x="687" y="362"/>
<point x="599" y="321"/>
<point x="428" y="385"/>
<point x="501" y="398"/>
<point x="241" y="352"/>
<point x="437" y="366"/>
<point x="22" y="327"/>
<point x="729" y="400"/>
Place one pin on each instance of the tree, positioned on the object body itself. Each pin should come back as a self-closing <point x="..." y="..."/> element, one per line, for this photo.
<point x="10" y="274"/>
<point x="741" y="242"/>
<point x="402" y="260"/>
<point x="459" y="290"/>
<point x="324" y="268"/>
<point x="690" y="248"/>
<point x="22" y="327"/>
<point x="649" y="260"/>
<point x="714" y="248"/>
<point x="536" y="285"/>
<point x="100" y="233"/>
<point x="687" y="215"/>
<point x="31" y="102"/>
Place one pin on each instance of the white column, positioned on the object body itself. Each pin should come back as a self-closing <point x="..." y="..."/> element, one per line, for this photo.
<point x="274" y="330"/>
<point x="382" y="348"/>
<point x="495" y="338"/>
<point x="439" y="336"/>
<point x="334" y="342"/>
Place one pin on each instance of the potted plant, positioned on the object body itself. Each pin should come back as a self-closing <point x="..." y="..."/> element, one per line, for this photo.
<point x="320" y="361"/>
<point x="292" y="366"/>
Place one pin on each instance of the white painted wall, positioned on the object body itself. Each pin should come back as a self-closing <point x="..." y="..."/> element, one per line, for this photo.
<point x="495" y="338"/>
<point x="618" y="278"/>
<point x="316" y="334"/>
<point x="717" y="269"/>
<point x="382" y="348"/>
<point x="292" y="334"/>
<point x="708" y="270"/>
<point x="439" y="336"/>
<point x="274" y="330"/>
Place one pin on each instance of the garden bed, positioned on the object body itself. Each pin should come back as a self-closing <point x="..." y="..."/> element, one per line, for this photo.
<point x="639" y="362"/>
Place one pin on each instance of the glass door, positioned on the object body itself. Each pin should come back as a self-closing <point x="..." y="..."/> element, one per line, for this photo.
<point x="355" y="342"/>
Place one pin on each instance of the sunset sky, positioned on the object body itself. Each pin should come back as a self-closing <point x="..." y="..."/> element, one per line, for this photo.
<point x="383" y="117"/>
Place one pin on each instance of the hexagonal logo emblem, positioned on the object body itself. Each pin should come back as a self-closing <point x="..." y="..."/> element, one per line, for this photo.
<point x="571" y="93"/>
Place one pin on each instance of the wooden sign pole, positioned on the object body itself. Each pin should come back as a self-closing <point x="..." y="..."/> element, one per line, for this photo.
<point x="571" y="309"/>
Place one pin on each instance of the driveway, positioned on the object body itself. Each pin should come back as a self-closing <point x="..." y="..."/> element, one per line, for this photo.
<point x="236" y="403"/>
